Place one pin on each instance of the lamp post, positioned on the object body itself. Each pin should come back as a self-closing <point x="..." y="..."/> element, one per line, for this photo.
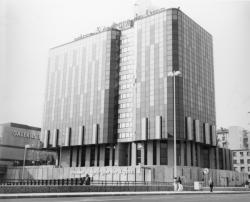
<point x="24" y="157"/>
<point x="174" y="74"/>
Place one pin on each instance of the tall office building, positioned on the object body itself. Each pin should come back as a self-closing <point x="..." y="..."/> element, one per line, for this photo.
<point x="109" y="100"/>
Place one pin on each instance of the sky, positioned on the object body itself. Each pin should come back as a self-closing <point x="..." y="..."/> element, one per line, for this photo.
<point x="29" y="28"/>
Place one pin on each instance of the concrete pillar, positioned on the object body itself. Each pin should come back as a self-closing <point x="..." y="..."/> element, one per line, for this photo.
<point x="212" y="157"/>
<point x="129" y="155"/>
<point x="199" y="155"/>
<point x="74" y="155"/>
<point x="158" y="152"/>
<point x="217" y="158"/>
<point x="182" y="145"/>
<point x="194" y="154"/>
<point x="170" y="152"/>
<point x="65" y="156"/>
<point x="80" y="156"/>
<point x="102" y="155"/>
<point x="189" y="153"/>
<point x="96" y="155"/>
<point x="87" y="157"/>
<point x="150" y="153"/>
<point x="142" y="153"/>
<point x="224" y="158"/>
<point x="133" y="155"/>
<point x="111" y="156"/>
<point x="117" y="154"/>
<point x="230" y="160"/>
<point x="227" y="160"/>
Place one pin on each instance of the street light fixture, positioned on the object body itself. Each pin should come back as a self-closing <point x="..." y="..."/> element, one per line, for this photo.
<point x="24" y="157"/>
<point x="174" y="74"/>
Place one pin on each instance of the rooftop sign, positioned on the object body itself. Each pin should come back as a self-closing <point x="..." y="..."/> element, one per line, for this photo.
<point x="121" y="25"/>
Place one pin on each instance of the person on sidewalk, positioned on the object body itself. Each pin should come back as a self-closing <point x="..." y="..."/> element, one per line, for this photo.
<point x="180" y="187"/>
<point x="211" y="184"/>
<point x="247" y="184"/>
<point x="82" y="179"/>
<point x="87" y="180"/>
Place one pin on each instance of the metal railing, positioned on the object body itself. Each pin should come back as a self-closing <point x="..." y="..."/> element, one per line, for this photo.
<point x="130" y="183"/>
<point x="78" y="181"/>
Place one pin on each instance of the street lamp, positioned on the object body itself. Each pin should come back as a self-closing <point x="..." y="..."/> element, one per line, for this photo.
<point x="174" y="74"/>
<point x="24" y="157"/>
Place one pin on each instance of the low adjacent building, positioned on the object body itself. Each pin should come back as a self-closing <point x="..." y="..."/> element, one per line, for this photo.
<point x="13" y="139"/>
<point x="237" y="139"/>
<point x="241" y="161"/>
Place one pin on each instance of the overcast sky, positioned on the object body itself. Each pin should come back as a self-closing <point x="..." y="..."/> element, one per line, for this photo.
<point x="28" y="28"/>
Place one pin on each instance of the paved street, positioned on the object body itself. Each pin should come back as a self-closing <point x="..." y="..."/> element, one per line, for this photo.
<point x="160" y="198"/>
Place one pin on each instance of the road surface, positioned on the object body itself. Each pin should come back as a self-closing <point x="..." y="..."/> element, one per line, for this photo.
<point x="144" y="198"/>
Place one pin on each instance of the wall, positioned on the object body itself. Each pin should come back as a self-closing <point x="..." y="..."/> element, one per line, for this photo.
<point x="131" y="173"/>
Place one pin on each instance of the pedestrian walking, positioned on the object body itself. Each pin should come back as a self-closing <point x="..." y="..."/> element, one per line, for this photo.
<point x="180" y="187"/>
<point x="87" y="180"/>
<point x="211" y="184"/>
<point x="247" y="184"/>
<point x="82" y="179"/>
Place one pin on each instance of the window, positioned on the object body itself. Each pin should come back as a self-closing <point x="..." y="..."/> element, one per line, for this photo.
<point x="241" y="154"/>
<point x="242" y="161"/>
<point x="234" y="153"/>
<point x="125" y="125"/>
<point x="248" y="169"/>
<point x="124" y="105"/>
<point x="242" y="169"/>
<point x="248" y="161"/>
<point x="124" y="135"/>
<point x="235" y="168"/>
<point x="125" y="95"/>
<point x="234" y="161"/>
<point x="248" y="153"/>
<point x="124" y="115"/>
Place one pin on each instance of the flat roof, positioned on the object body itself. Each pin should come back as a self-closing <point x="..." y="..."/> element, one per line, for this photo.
<point x="119" y="26"/>
<point x="23" y="126"/>
<point x="240" y="149"/>
<point x="109" y="28"/>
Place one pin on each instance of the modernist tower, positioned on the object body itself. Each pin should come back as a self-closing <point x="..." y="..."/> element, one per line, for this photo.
<point x="109" y="100"/>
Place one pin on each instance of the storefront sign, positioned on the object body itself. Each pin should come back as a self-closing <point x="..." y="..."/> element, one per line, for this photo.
<point x="30" y="135"/>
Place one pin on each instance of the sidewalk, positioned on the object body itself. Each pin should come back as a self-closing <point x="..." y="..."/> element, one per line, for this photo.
<point x="89" y="194"/>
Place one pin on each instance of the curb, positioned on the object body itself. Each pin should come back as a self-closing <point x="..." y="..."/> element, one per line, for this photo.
<point x="100" y="194"/>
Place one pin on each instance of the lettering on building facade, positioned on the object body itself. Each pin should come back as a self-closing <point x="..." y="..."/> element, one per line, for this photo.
<point x="30" y="135"/>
